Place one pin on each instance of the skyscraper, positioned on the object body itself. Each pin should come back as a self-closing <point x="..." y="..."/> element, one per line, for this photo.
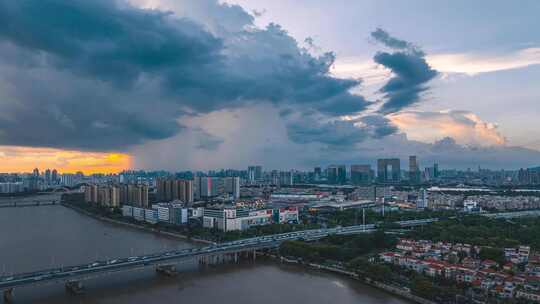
<point x="254" y="173"/>
<point x="342" y="174"/>
<point x="317" y="173"/>
<point x="331" y="174"/>
<point x="361" y="174"/>
<point x="337" y="174"/>
<point x="414" y="171"/>
<point x="54" y="176"/>
<point x="258" y="173"/>
<point x="285" y="178"/>
<point x="47" y="177"/>
<point x="388" y="170"/>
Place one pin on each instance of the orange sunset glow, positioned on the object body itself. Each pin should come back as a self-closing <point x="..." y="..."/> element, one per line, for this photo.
<point x="24" y="159"/>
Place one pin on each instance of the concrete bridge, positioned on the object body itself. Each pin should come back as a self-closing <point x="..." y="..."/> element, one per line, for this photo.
<point x="164" y="262"/>
<point x="32" y="203"/>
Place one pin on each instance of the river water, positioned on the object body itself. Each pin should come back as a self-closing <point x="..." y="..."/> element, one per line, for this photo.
<point x="33" y="238"/>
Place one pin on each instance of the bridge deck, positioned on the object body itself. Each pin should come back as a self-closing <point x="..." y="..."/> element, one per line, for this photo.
<point x="99" y="268"/>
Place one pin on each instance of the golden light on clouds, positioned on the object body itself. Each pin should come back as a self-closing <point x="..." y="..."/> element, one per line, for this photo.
<point x="463" y="126"/>
<point x="25" y="159"/>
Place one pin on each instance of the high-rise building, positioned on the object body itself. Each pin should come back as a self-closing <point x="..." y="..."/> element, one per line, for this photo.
<point x="185" y="191"/>
<point x="361" y="174"/>
<point x="337" y="174"/>
<point x="35" y="172"/>
<point x="11" y="187"/>
<point x="169" y="189"/>
<point x="67" y="179"/>
<point x="388" y="170"/>
<point x="232" y="186"/>
<point x="317" y="174"/>
<point x="208" y="187"/>
<point x="332" y="174"/>
<point x="104" y="196"/>
<point x="47" y="177"/>
<point x="529" y="176"/>
<point x="274" y="177"/>
<point x="54" y="177"/>
<point x="422" y="201"/>
<point x="123" y="195"/>
<point x="114" y="197"/>
<point x="414" y="170"/>
<point x="140" y="196"/>
<point x="258" y="173"/>
<point x="137" y="195"/>
<point x="285" y="178"/>
<point x="91" y="194"/>
<point x="342" y="174"/>
<point x="255" y="173"/>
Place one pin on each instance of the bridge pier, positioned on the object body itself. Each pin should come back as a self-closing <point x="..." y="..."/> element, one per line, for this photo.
<point x="75" y="287"/>
<point x="203" y="261"/>
<point x="8" y="295"/>
<point x="167" y="270"/>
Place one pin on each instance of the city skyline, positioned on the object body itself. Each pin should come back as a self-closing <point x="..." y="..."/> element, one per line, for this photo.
<point x="224" y="84"/>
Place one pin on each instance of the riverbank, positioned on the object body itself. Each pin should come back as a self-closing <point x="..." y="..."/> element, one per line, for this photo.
<point x="394" y="290"/>
<point x="132" y="225"/>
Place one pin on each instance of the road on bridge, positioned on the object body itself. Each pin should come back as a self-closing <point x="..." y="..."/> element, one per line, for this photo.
<point x="99" y="268"/>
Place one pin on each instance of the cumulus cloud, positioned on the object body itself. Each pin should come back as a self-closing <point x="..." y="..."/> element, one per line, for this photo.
<point x="465" y="127"/>
<point x="103" y="75"/>
<point x="257" y="135"/>
<point x="187" y="75"/>
<point x="411" y="72"/>
<point x="448" y="153"/>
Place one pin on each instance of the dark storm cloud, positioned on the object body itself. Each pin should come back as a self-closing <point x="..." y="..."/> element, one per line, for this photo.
<point x="106" y="40"/>
<point x="379" y="126"/>
<point x="42" y="107"/>
<point x="334" y="133"/>
<point x="106" y="75"/>
<point x="383" y="37"/>
<point x="339" y="133"/>
<point x="412" y="73"/>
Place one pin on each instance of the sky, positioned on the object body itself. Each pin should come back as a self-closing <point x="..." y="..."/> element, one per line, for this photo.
<point x="103" y="86"/>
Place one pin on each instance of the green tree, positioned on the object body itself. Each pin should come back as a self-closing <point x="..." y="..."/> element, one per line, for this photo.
<point x="422" y="287"/>
<point x="490" y="253"/>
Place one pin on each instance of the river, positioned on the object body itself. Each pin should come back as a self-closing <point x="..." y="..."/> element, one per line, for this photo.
<point x="33" y="238"/>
